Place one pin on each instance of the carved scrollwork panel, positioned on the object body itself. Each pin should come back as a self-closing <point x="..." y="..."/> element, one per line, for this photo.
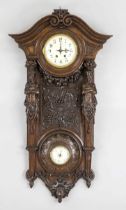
<point x="61" y="107"/>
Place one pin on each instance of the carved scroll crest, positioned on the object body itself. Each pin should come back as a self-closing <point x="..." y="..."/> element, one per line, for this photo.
<point x="61" y="18"/>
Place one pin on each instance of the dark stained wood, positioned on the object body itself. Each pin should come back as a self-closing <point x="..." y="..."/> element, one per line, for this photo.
<point x="60" y="105"/>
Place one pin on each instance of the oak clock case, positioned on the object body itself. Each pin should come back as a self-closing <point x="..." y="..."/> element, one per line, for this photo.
<point x="60" y="100"/>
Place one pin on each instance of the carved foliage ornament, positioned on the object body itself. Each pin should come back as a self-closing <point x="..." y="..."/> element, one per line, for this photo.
<point x="60" y="100"/>
<point x="61" y="81"/>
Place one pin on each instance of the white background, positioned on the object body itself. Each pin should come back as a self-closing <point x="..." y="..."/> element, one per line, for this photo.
<point x="108" y="190"/>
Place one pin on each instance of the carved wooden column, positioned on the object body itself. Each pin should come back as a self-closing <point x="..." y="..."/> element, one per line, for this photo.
<point x="32" y="109"/>
<point x="88" y="109"/>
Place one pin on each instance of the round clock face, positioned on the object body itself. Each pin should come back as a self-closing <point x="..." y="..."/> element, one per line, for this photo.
<point x="59" y="155"/>
<point x="60" y="50"/>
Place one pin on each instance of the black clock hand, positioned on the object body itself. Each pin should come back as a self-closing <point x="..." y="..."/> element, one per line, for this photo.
<point x="60" y="47"/>
<point x="60" y="154"/>
<point x="60" y="50"/>
<point x="66" y="50"/>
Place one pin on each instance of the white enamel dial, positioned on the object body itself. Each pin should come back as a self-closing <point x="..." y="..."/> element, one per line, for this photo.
<point x="59" y="155"/>
<point x="60" y="50"/>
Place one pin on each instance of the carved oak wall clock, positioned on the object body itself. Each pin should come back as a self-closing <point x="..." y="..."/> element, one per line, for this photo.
<point x="60" y="99"/>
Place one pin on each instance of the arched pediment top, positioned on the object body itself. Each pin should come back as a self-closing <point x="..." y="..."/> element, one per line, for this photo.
<point x="60" y="18"/>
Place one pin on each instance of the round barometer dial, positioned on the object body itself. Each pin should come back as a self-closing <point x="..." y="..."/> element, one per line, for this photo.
<point x="60" y="50"/>
<point x="60" y="155"/>
<point x="59" y="152"/>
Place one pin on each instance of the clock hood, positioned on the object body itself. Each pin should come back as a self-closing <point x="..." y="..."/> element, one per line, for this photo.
<point x="60" y="18"/>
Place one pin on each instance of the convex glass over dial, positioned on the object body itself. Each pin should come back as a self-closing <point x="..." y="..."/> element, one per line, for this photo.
<point x="60" y="50"/>
<point x="59" y="155"/>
